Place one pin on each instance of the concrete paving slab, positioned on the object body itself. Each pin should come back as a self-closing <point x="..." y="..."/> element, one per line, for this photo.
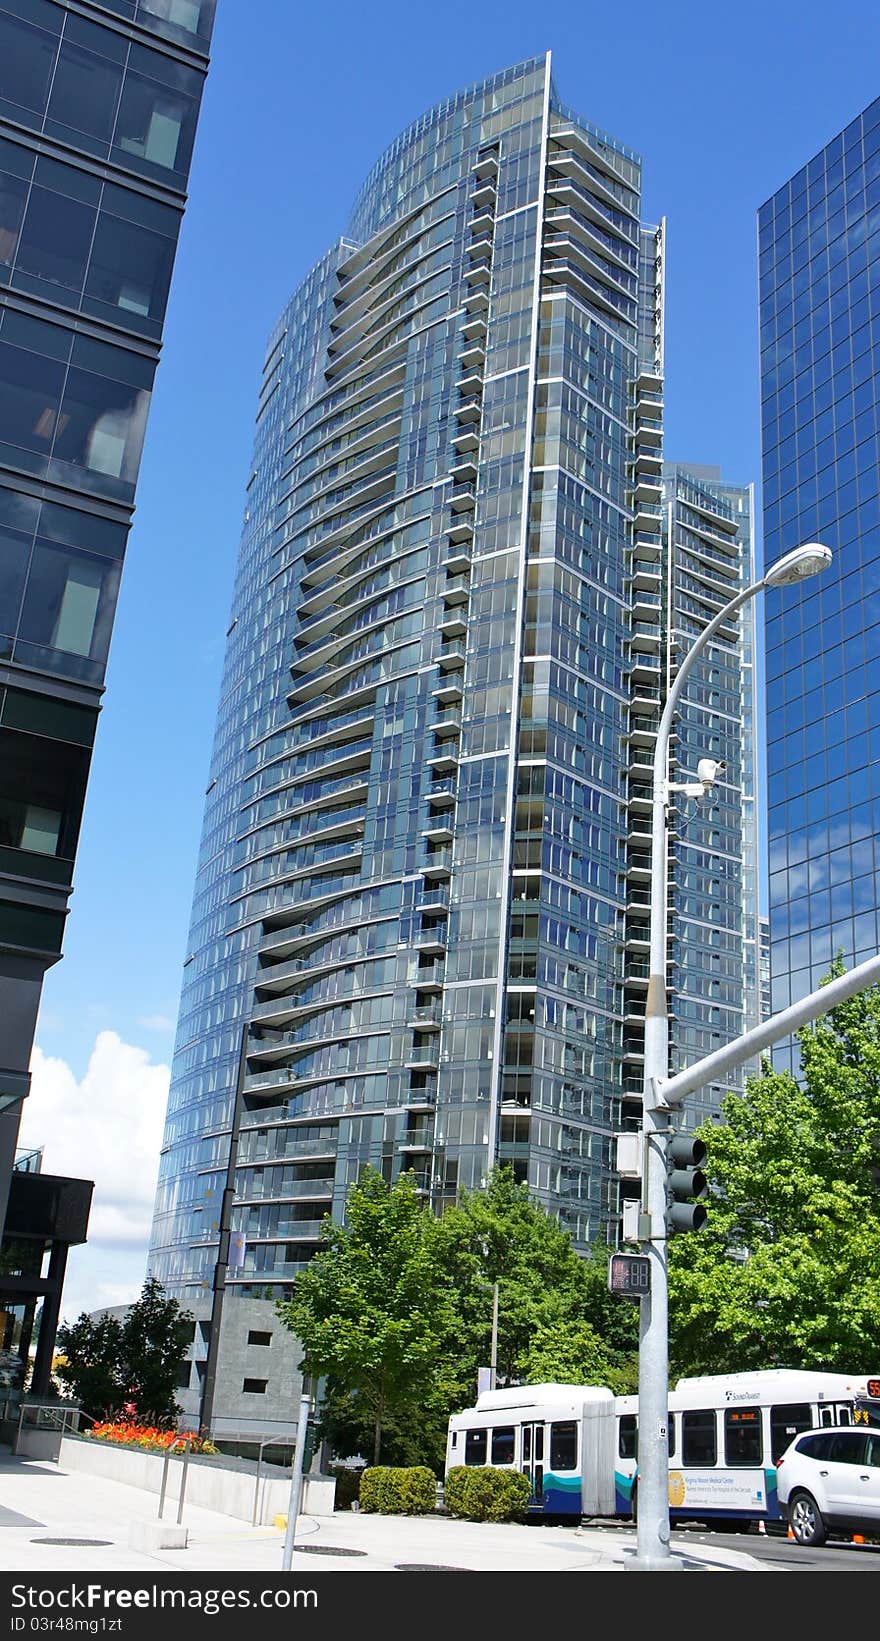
<point x="98" y="1525"/>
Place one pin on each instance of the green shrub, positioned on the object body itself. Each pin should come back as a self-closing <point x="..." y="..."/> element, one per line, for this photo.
<point x="454" y="1491"/>
<point x="480" y="1493"/>
<point x="398" y="1490"/>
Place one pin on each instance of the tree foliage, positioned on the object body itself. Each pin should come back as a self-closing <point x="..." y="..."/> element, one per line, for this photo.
<point x="395" y="1313"/>
<point x="787" y="1272"/>
<point x="108" y="1362"/>
<point x="372" y="1309"/>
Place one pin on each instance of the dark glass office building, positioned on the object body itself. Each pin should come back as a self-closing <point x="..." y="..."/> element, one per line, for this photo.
<point x="98" y="110"/>
<point x="418" y="936"/>
<point x="819" y="242"/>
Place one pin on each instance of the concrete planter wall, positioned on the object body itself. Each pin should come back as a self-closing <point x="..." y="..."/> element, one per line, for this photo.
<point x="208" y="1483"/>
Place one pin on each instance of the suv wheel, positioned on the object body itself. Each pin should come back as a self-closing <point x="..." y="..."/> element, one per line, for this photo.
<point x="806" y="1520"/>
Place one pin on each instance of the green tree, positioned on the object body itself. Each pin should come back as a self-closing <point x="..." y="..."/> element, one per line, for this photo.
<point x="155" y="1336"/>
<point x="372" y="1310"/>
<point x="787" y="1272"/>
<point x="108" y="1362"/>
<point x="90" y="1369"/>
<point x="546" y="1292"/>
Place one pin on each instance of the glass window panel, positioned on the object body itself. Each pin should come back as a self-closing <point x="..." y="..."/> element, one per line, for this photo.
<point x="30" y="389"/>
<point x="193" y="15"/>
<point x="743" y="1438"/>
<point x="475" y="1447"/>
<point x="40" y="829"/>
<point x="13" y="193"/>
<point x="102" y="425"/>
<point x="26" y="58"/>
<point x="14" y="554"/>
<point x="39" y="780"/>
<point x="82" y="530"/>
<point x="56" y="238"/>
<point x="698" y="1442"/>
<point x="130" y="267"/>
<point x="85" y="92"/>
<point x="156" y="123"/>
<point x="563" y="1446"/>
<point x="69" y="601"/>
<point x="503" y="1445"/>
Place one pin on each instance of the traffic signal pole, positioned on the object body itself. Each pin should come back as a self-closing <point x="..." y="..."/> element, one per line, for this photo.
<point x="653" y="1554"/>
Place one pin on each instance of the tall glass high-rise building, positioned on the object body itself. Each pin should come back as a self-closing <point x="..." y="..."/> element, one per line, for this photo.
<point x="98" y="109"/>
<point x="819" y="244"/>
<point x="418" y="929"/>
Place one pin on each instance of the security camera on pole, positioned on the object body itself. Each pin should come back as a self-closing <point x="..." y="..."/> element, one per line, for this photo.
<point x="653" y="1553"/>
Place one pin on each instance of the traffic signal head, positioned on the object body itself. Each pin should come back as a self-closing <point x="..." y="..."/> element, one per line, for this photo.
<point x="686" y="1183"/>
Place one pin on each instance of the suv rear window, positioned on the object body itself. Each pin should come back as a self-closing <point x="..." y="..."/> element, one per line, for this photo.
<point x="815" y="1447"/>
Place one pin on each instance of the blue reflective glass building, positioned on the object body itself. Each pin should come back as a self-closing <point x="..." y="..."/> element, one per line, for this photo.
<point x="819" y="246"/>
<point x="98" y="109"/>
<point x="419" y="919"/>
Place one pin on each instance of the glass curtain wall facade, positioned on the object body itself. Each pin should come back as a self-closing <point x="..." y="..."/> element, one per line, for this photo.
<point x="98" y="109"/>
<point x="413" y="912"/>
<point x="713" y="864"/>
<point x="819" y="247"/>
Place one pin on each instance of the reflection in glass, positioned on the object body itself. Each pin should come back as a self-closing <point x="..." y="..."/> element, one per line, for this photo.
<point x="26" y="58"/>
<point x="56" y="238"/>
<point x="130" y="267"/>
<point x="14" y="553"/>
<point x="30" y="388"/>
<point x="102" y="425"/>
<point x="151" y="120"/>
<point x="69" y="601"/>
<point x="85" y="92"/>
<point x="13" y="193"/>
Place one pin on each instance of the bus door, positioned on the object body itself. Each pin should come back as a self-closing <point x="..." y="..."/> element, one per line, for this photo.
<point x="832" y="1413"/>
<point x="533" y="1459"/>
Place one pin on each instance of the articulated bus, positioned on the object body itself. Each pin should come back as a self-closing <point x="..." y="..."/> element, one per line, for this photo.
<point x="578" y="1444"/>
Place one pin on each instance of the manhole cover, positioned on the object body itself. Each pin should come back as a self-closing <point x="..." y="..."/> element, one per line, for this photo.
<point x="326" y="1550"/>
<point x="83" y="1542"/>
<point x="426" y="1567"/>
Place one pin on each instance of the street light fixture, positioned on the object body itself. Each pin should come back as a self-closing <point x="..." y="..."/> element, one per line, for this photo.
<point x="653" y="1487"/>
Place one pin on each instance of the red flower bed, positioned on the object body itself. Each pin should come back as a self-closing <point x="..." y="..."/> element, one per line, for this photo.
<point x="128" y="1433"/>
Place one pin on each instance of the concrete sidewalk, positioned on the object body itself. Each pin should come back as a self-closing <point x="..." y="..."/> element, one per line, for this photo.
<point x="40" y="1502"/>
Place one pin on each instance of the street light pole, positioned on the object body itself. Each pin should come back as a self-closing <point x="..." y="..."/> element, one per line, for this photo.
<point x="653" y="1553"/>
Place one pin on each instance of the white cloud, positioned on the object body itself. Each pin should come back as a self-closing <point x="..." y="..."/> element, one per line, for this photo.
<point x="107" y="1128"/>
<point x="156" y="1022"/>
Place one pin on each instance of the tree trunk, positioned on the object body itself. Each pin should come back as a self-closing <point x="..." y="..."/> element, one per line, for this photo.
<point x="377" y="1440"/>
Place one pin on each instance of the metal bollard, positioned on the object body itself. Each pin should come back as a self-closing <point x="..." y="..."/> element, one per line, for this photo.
<point x="186" y="1451"/>
<point x="257" y="1484"/>
<point x="164" y="1483"/>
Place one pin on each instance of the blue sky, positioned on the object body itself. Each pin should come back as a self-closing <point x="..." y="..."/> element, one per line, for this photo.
<point x="723" y="104"/>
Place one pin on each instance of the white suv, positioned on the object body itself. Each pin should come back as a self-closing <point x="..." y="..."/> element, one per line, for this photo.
<point x="828" y="1481"/>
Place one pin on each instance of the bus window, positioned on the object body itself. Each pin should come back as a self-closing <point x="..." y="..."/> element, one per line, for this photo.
<point x="563" y="1446"/>
<point x="539" y="1443"/>
<point x="627" y="1437"/>
<point x="843" y="1413"/>
<point x="503" y="1445"/>
<point x="698" y="1444"/>
<point x="786" y="1423"/>
<point x="670" y="1440"/>
<point x="475" y="1447"/>
<point x="743" y="1438"/>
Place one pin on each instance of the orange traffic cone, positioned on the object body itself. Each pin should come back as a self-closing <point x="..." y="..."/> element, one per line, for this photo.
<point x="761" y="1527"/>
<point x="858" y="1538"/>
<point x="789" y="1534"/>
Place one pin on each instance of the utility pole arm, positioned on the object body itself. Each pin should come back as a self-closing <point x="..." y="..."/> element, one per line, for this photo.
<point x="671" y="1091"/>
